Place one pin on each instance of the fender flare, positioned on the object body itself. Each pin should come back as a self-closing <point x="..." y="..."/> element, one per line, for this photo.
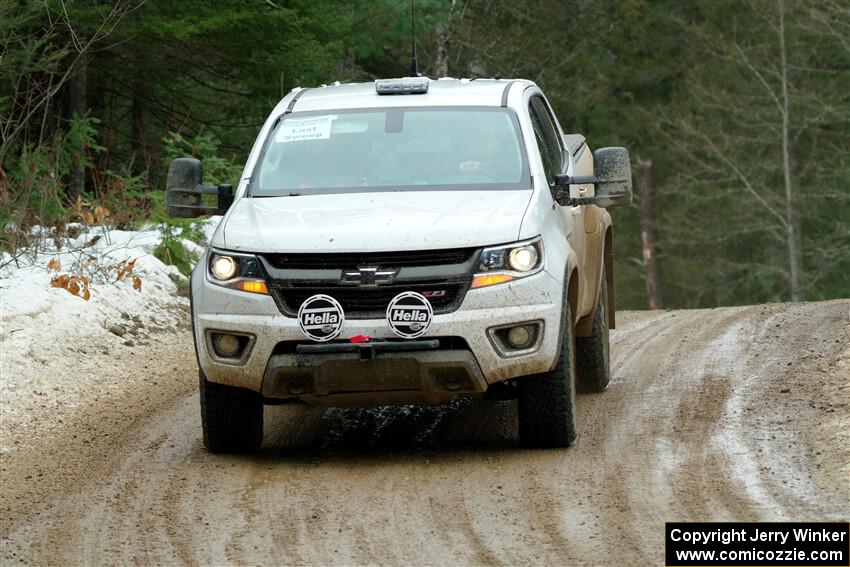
<point x="570" y="296"/>
<point x="606" y="259"/>
<point x="609" y="274"/>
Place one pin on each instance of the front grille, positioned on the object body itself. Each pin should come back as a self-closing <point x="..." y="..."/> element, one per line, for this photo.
<point x="348" y="260"/>
<point x="443" y="276"/>
<point x="372" y="302"/>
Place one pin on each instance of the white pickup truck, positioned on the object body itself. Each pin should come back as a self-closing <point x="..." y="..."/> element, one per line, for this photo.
<point x="405" y="241"/>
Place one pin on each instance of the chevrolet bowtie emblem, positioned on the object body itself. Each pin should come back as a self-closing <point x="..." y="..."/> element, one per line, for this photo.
<point x="368" y="276"/>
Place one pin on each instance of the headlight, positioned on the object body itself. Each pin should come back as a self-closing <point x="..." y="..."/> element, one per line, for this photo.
<point x="505" y="263"/>
<point x="523" y="259"/>
<point x="223" y="267"/>
<point x="237" y="271"/>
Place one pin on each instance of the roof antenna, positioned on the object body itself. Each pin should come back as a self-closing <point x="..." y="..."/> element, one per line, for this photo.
<point x="414" y="65"/>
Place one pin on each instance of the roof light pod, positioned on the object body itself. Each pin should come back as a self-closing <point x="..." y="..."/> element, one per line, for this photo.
<point x="407" y="85"/>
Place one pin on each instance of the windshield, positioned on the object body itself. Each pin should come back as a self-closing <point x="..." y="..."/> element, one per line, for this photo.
<point x="392" y="149"/>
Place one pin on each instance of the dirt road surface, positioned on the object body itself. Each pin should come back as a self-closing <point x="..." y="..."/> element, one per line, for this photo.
<point x="726" y="414"/>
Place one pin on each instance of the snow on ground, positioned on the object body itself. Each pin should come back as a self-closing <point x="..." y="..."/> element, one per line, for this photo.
<point x="40" y="324"/>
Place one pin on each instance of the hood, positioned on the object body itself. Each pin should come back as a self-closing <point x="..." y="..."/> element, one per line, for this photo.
<point x="384" y="221"/>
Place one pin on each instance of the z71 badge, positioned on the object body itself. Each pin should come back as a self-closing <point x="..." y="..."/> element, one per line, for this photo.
<point x="320" y="317"/>
<point x="409" y="315"/>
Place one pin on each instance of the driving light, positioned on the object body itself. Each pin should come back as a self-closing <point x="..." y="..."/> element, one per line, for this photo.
<point x="516" y="339"/>
<point x="226" y="346"/>
<point x="523" y="259"/>
<point x="223" y="267"/>
<point x="519" y="337"/>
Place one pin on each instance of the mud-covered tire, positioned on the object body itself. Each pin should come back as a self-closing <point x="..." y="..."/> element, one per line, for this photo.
<point x="232" y="418"/>
<point x="546" y="403"/>
<point x="593" y="353"/>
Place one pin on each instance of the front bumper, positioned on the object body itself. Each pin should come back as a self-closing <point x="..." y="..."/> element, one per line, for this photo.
<point x="347" y="379"/>
<point x="389" y="377"/>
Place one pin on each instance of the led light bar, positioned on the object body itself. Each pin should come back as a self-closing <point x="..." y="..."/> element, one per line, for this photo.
<point x="408" y="85"/>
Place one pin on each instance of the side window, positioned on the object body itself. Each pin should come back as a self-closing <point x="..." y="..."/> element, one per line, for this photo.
<point x="547" y="137"/>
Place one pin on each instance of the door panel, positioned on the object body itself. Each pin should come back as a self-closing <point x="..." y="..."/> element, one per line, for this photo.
<point x="557" y="160"/>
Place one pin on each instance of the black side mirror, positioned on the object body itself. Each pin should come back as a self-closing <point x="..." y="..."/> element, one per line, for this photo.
<point x="612" y="179"/>
<point x="185" y="191"/>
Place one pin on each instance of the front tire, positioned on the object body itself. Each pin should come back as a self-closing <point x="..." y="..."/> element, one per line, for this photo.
<point x="546" y="404"/>
<point x="232" y="418"/>
<point x="593" y="353"/>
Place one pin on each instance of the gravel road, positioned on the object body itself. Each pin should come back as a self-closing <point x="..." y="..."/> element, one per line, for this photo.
<point x="738" y="413"/>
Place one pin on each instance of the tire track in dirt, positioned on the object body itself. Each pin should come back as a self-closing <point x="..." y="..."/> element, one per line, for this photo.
<point x="694" y="426"/>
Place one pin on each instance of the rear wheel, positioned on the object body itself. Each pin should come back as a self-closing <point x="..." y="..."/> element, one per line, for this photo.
<point x="546" y="404"/>
<point x="593" y="353"/>
<point x="232" y="418"/>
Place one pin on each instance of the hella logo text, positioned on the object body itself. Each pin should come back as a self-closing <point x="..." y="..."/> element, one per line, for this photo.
<point x="409" y="315"/>
<point x="321" y="318"/>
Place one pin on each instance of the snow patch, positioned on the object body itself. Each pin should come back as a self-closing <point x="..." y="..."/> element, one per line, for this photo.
<point x="40" y="323"/>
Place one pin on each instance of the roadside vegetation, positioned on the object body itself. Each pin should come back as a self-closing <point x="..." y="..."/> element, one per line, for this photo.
<point x="736" y="113"/>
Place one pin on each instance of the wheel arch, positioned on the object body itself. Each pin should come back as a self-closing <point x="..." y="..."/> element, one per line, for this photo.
<point x="604" y="255"/>
<point x="572" y="292"/>
<point x="608" y="259"/>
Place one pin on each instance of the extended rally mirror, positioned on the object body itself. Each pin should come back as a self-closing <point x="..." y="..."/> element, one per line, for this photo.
<point x="612" y="180"/>
<point x="185" y="191"/>
<point x="613" y="170"/>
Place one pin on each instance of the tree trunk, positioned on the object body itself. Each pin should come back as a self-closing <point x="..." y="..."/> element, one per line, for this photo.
<point x="441" y="64"/>
<point x="652" y="271"/>
<point x="77" y="108"/>
<point x="139" y="115"/>
<point x="441" y="61"/>
<point x="792" y="223"/>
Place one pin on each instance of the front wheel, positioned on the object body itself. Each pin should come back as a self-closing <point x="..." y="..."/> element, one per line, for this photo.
<point x="546" y="405"/>
<point x="232" y="418"/>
